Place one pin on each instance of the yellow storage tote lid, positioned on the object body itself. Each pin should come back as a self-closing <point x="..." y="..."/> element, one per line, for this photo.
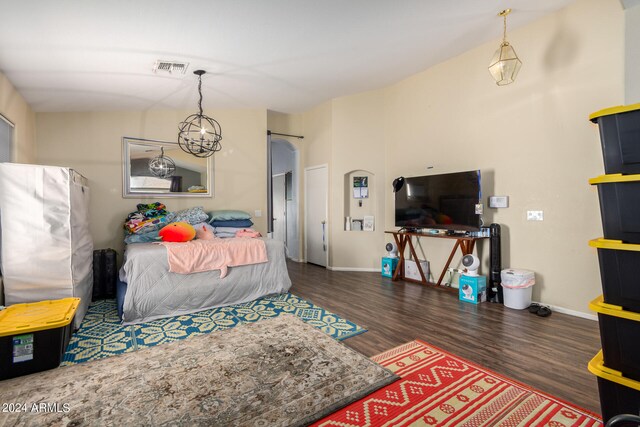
<point x="613" y="244"/>
<point x="596" y="367"/>
<point x="614" y="110"/>
<point x="37" y="316"/>
<point x="599" y="306"/>
<point x="613" y="178"/>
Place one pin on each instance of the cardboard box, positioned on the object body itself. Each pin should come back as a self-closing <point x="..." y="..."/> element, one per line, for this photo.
<point x="389" y="266"/>
<point x="411" y="269"/>
<point x="472" y="289"/>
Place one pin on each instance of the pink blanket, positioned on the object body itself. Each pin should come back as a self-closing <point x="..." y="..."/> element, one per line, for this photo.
<point x="205" y="255"/>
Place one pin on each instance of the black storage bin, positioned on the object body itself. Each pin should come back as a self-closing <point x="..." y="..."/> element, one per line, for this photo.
<point x="620" y="138"/>
<point x="34" y="336"/>
<point x="619" y="264"/>
<point x="619" y="206"/>
<point x="105" y="274"/>
<point x="618" y="395"/>
<point x="619" y="332"/>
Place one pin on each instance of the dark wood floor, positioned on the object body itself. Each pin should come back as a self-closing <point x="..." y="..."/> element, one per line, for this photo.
<point x="550" y="354"/>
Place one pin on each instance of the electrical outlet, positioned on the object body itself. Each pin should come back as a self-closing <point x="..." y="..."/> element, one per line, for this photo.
<point x="479" y="209"/>
<point x="535" y="216"/>
<point x="257" y="213"/>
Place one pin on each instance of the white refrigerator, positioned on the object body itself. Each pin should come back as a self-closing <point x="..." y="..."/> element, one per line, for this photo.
<point x="46" y="248"/>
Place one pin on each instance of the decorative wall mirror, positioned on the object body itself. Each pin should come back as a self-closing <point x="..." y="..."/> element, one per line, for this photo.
<point x="192" y="176"/>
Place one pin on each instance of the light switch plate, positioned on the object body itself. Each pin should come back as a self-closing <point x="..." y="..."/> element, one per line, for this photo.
<point x="257" y="213"/>
<point x="498" y="201"/>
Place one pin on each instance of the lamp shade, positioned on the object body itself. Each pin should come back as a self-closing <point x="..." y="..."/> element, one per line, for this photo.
<point x="505" y="65"/>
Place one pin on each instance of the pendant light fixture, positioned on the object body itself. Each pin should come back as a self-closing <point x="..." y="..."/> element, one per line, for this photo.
<point x="162" y="166"/>
<point x="505" y="64"/>
<point x="199" y="134"/>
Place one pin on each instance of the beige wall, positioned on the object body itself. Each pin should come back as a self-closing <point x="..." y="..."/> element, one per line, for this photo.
<point x="318" y="134"/>
<point x="359" y="144"/>
<point x="15" y="108"/>
<point x="531" y="140"/>
<point x="632" y="54"/>
<point x="285" y="123"/>
<point x="92" y="144"/>
<point x="317" y="147"/>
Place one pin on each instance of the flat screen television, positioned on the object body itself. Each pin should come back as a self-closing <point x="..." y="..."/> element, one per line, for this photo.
<point x="445" y="201"/>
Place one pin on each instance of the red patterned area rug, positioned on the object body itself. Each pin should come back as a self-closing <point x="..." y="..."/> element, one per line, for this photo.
<point x="439" y="389"/>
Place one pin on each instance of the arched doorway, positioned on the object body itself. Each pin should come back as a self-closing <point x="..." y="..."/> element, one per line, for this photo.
<point x="285" y="195"/>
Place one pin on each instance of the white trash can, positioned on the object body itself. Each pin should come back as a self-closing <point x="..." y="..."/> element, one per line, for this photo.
<point x="517" y="286"/>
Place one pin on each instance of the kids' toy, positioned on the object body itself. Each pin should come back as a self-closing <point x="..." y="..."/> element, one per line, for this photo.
<point x="177" y="232"/>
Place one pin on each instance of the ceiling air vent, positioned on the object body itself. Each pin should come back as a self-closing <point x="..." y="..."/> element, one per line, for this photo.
<point x="170" y="67"/>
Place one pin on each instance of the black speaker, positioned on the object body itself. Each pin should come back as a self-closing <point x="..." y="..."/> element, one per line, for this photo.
<point x="494" y="293"/>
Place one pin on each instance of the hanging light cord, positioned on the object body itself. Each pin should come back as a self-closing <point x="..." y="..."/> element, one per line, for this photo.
<point x="504" y="14"/>
<point x="200" y="83"/>
<point x="504" y="34"/>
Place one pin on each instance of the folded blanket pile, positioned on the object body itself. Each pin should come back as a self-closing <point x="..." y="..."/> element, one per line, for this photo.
<point x="230" y="223"/>
<point x="230" y="228"/>
<point x="148" y="218"/>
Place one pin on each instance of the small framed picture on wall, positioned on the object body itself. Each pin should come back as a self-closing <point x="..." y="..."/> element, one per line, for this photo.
<point x="360" y="187"/>
<point x="368" y="223"/>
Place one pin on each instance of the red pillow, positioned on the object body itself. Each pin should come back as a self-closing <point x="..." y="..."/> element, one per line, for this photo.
<point x="177" y="232"/>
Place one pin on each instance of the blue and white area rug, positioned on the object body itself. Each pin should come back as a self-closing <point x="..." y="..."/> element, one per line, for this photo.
<point x="102" y="335"/>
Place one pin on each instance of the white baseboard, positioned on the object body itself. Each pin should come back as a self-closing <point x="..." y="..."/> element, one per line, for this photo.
<point x="571" y="312"/>
<point x="365" y="270"/>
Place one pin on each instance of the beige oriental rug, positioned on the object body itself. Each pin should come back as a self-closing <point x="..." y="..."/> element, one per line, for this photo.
<point x="275" y="372"/>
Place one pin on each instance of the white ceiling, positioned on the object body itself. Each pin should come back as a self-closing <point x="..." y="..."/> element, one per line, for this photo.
<point x="284" y="55"/>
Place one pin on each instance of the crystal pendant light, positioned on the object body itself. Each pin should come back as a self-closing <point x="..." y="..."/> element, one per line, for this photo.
<point x="505" y="64"/>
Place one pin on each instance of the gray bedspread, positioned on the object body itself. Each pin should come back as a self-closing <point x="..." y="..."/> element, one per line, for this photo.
<point x="153" y="292"/>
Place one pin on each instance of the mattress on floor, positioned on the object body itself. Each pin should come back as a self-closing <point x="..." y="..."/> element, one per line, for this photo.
<point x="153" y="292"/>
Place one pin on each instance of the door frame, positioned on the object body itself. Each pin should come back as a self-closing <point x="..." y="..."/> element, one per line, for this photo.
<point x="286" y="210"/>
<point x="306" y="210"/>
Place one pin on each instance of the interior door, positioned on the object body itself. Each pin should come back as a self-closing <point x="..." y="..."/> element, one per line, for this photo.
<point x="279" y="208"/>
<point x="316" y="213"/>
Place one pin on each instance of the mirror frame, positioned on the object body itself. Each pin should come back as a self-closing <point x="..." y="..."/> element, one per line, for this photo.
<point x="126" y="172"/>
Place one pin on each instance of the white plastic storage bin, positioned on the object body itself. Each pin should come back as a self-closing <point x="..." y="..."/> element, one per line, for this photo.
<point x="411" y="269"/>
<point x="517" y="287"/>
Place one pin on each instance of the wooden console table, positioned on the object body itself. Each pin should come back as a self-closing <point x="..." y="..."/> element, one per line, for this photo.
<point x="404" y="239"/>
